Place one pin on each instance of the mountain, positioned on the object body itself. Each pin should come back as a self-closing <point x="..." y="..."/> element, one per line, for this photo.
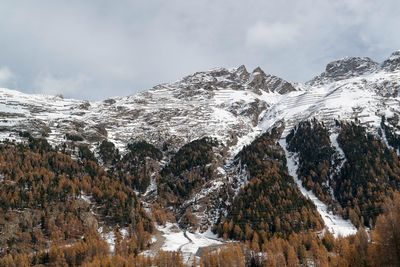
<point x="248" y="154"/>
<point x="222" y="103"/>
<point x="227" y="104"/>
<point x="346" y="68"/>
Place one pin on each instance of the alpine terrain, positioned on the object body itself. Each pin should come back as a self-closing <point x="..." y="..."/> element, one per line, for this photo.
<point x="227" y="166"/>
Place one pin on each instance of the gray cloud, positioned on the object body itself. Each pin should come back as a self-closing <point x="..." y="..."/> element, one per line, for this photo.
<point x="6" y="75"/>
<point x="272" y="36"/>
<point x="96" y="49"/>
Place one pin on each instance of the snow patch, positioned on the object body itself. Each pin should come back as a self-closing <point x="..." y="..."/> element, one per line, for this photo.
<point x="84" y="197"/>
<point x="188" y="243"/>
<point x="109" y="237"/>
<point x="333" y="138"/>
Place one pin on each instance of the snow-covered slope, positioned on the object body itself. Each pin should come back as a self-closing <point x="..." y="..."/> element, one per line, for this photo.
<point x="232" y="105"/>
<point x="222" y="103"/>
<point x="365" y="98"/>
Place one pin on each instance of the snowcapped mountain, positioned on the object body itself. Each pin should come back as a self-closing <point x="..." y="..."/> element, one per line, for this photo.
<point x="233" y="105"/>
<point x="227" y="104"/>
<point x="223" y="103"/>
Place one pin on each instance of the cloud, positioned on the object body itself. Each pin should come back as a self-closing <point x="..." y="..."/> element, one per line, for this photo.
<point x="273" y="35"/>
<point x="6" y="76"/>
<point x="121" y="48"/>
<point x="49" y="84"/>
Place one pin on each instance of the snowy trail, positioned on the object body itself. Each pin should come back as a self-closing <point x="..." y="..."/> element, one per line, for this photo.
<point x="188" y="243"/>
<point x="335" y="224"/>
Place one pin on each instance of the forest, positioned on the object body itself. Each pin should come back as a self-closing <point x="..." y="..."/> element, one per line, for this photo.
<point x="310" y="139"/>
<point x="50" y="201"/>
<point x="54" y="200"/>
<point x="372" y="248"/>
<point x="188" y="169"/>
<point x="270" y="204"/>
<point x="370" y="171"/>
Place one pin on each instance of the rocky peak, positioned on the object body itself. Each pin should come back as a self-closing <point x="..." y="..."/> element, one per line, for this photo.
<point x="268" y="83"/>
<point x="242" y="73"/>
<point x="257" y="80"/>
<point x="393" y="62"/>
<point x="346" y="68"/>
<point x="237" y="79"/>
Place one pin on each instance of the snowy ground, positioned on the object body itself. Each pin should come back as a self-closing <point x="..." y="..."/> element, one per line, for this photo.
<point x="188" y="243"/>
<point x="335" y="224"/>
<point x="109" y="237"/>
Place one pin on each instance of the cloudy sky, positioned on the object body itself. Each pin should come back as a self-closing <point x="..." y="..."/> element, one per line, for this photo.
<point x="99" y="48"/>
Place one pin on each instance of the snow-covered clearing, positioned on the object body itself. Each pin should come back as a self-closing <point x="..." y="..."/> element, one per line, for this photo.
<point x="188" y="243"/>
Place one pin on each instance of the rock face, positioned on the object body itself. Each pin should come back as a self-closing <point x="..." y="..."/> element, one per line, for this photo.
<point x="346" y="68"/>
<point x="268" y="83"/>
<point x="393" y="62"/>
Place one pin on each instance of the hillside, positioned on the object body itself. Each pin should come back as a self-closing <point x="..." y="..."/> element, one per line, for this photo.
<point x="247" y="155"/>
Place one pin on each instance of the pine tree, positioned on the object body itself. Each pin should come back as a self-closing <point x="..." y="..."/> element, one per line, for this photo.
<point x="385" y="245"/>
<point x="291" y="258"/>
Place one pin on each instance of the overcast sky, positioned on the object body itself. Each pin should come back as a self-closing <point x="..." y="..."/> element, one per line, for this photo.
<point x="97" y="49"/>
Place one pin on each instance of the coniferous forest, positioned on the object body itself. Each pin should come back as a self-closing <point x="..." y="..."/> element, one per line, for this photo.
<point x="270" y="204"/>
<point x="54" y="200"/>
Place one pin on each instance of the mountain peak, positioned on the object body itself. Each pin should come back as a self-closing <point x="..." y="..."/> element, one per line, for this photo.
<point x="242" y="72"/>
<point x="241" y="68"/>
<point x="393" y="62"/>
<point x="345" y="68"/>
<point x="258" y="71"/>
<point x="268" y="83"/>
<point x="235" y="78"/>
